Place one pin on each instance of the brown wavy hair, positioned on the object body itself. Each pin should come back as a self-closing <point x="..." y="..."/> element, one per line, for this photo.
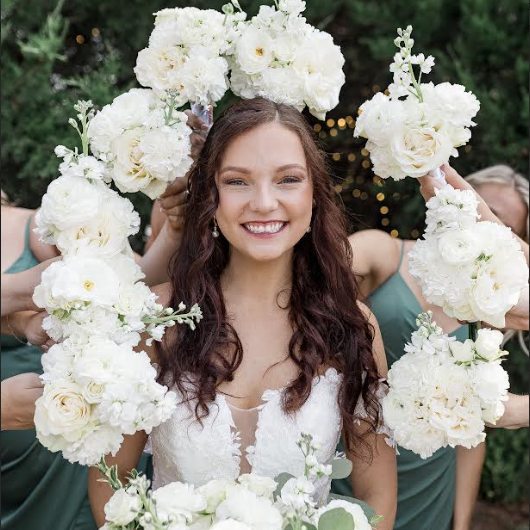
<point x="330" y="330"/>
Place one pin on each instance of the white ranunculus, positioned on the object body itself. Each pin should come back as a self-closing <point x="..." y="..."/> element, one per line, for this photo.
<point x="463" y="352"/>
<point x="359" y="518"/>
<point x="418" y="149"/>
<point x="459" y="247"/>
<point x="488" y="343"/>
<point x="254" y="51"/>
<point x="261" y="486"/>
<point x="62" y="410"/>
<point x="246" y="507"/>
<point x="68" y="202"/>
<point x="180" y="501"/>
<point x="122" y="508"/>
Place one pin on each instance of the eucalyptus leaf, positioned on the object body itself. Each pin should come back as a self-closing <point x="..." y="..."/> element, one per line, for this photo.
<point x="367" y="509"/>
<point x="281" y="480"/>
<point x="338" y="519"/>
<point x="341" y="468"/>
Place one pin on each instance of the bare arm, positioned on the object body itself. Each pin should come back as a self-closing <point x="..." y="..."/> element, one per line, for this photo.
<point x="469" y="464"/>
<point x="374" y="480"/>
<point x="516" y="414"/>
<point x="375" y="258"/>
<point x="126" y="459"/>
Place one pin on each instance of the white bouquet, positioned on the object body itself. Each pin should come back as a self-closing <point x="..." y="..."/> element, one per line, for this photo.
<point x="251" y="502"/>
<point x="418" y="126"/>
<point x="97" y="388"/>
<point x="443" y="391"/>
<point x="474" y="270"/>
<point x="186" y="54"/>
<point x="144" y="141"/>
<point x="280" y="57"/>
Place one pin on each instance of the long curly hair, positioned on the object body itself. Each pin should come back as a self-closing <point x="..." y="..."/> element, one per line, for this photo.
<point x="330" y="330"/>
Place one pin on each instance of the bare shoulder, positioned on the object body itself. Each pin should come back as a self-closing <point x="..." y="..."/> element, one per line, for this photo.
<point x="163" y="292"/>
<point x="378" y="347"/>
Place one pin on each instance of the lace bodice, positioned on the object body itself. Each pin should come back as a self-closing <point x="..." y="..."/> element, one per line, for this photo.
<point x="185" y="451"/>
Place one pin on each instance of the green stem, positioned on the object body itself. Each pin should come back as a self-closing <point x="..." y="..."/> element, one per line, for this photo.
<point x="419" y="94"/>
<point x="473" y="330"/>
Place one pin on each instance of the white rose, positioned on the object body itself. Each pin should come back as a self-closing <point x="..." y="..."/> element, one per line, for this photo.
<point x="459" y="247"/>
<point x="463" y="351"/>
<point x="488" y="343"/>
<point x="418" y="149"/>
<point x="180" y="501"/>
<point x="261" y="486"/>
<point x="62" y="410"/>
<point x="122" y="508"/>
<point x="246" y="507"/>
<point x="254" y="51"/>
<point x="359" y="518"/>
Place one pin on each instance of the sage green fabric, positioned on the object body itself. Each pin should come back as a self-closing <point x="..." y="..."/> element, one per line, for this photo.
<point x="426" y="488"/>
<point x="40" y="489"/>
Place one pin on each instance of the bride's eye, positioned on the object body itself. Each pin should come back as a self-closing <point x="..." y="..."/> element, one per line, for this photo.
<point x="235" y="182"/>
<point x="290" y="179"/>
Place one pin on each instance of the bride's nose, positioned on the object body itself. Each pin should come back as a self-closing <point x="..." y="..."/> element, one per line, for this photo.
<point x="263" y="199"/>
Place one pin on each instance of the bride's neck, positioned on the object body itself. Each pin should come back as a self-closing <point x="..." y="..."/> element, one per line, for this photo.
<point x="246" y="279"/>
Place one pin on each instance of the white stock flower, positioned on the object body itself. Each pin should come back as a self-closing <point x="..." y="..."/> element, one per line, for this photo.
<point x="488" y="344"/>
<point x="122" y="508"/>
<point x="297" y="493"/>
<point x="463" y="351"/>
<point x="359" y="518"/>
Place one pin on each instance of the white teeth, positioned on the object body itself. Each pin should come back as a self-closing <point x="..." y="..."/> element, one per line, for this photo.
<point x="269" y="228"/>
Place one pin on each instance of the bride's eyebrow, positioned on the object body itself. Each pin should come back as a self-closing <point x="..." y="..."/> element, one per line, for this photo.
<point x="235" y="169"/>
<point x="291" y="166"/>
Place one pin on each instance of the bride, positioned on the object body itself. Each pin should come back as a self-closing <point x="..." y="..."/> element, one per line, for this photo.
<point x="281" y="349"/>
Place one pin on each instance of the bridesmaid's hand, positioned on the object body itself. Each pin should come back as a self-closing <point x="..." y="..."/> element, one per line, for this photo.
<point x="34" y="332"/>
<point x="19" y="394"/>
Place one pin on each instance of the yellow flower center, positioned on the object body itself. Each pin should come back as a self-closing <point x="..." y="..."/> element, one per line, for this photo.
<point x="259" y="52"/>
<point x="88" y="285"/>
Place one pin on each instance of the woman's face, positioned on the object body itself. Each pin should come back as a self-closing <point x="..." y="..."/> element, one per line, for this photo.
<point x="265" y="193"/>
<point x="507" y="205"/>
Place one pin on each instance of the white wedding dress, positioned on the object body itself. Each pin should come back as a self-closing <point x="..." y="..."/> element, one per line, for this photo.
<point x="233" y="441"/>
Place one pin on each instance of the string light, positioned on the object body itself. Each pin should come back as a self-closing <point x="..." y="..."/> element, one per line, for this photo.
<point x="342" y="123"/>
<point x="336" y="156"/>
<point x="384" y="210"/>
<point x="338" y="188"/>
<point x="349" y="119"/>
<point x="95" y="32"/>
<point x="356" y="193"/>
<point x="380" y="197"/>
<point x="394" y="233"/>
<point x="385" y="221"/>
<point x="333" y="132"/>
<point x="376" y="88"/>
<point x="415" y="234"/>
<point x="322" y="134"/>
<point x="80" y="39"/>
<point x="364" y="196"/>
<point x="317" y="127"/>
<point x="468" y="148"/>
<point x="365" y="151"/>
<point x="360" y="179"/>
<point x="352" y="157"/>
<point x="366" y="164"/>
<point x="330" y="123"/>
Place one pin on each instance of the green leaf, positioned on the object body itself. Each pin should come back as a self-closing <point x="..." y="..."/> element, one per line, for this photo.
<point x="374" y="521"/>
<point x="338" y="519"/>
<point x="367" y="509"/>
<point x="342" y="468"/>
<point x="281" y="480"/>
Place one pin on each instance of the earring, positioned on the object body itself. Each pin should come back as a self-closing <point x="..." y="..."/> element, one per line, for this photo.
<point x="215" y="231"/>
<point x="308" y="229"/>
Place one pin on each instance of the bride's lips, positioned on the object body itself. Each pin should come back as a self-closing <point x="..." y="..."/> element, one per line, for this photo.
<point x="264" y="229"/>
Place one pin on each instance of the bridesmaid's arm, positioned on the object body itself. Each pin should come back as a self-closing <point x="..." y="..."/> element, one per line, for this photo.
<point x="469" y="464"/>
<point x="126" y="459"/>
<point x="374" y="479"/>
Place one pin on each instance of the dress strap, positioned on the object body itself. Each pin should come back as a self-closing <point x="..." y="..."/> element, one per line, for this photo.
<point x="27" y="233"/>
<point x="401" y="256"/>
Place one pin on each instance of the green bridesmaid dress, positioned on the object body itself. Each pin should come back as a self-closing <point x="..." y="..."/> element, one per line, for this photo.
<point x="40" y="489"/>
<point x="426" y="488"/>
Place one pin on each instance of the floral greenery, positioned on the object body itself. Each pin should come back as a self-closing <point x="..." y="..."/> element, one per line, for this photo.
<point x="482" y="44"/>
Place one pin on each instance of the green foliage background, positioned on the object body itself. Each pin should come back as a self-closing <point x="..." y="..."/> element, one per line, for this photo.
<point x="55" y="53"/>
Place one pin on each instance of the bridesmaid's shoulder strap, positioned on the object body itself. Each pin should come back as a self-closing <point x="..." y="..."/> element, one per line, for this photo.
<point x="401" y="255"/>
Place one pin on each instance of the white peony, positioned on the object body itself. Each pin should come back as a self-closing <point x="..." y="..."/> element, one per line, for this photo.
<point x="459" y="247"/>
<point x="359" y="518"/>
<point x="122" y="508"/>
<point x="463" y="352"/>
